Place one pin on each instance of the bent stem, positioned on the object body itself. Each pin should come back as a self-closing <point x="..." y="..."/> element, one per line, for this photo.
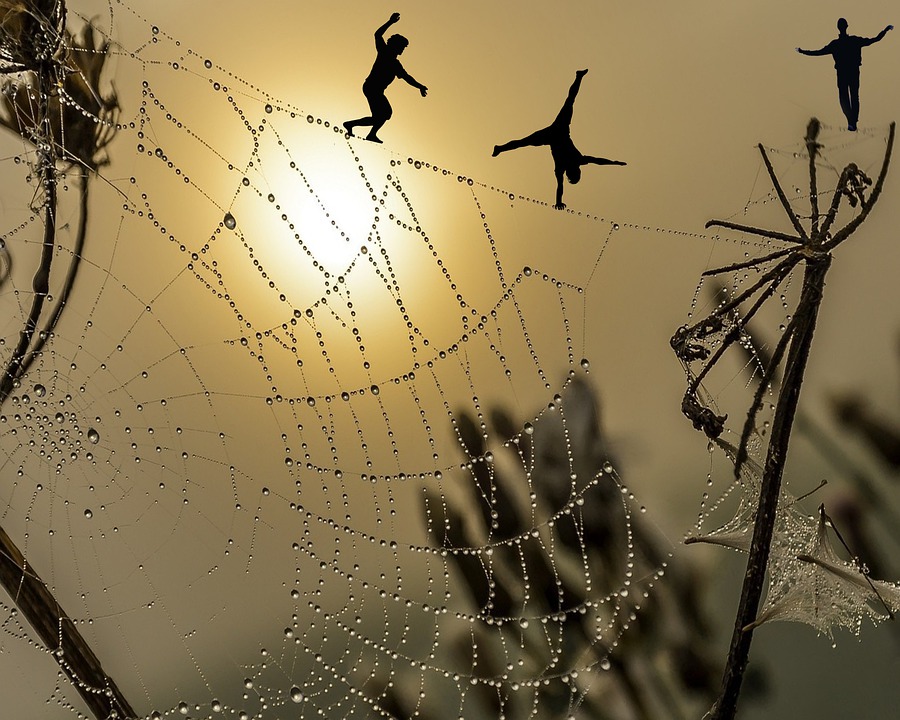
<point x="68" y="284"/>
<point x="25" y="587"/>
<point x="41" y="282"/>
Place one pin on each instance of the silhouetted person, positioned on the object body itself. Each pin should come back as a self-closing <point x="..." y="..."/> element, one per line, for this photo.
<point x="385" y="68"/>
<point x="566" y="158"/>
<point x="847" y="53"/>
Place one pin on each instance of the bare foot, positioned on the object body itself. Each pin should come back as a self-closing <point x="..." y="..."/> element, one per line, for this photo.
<point x="580" y="73"/>
<point x="496" y="151"/>
<point x="348" y="126"/>
<point x="373" y="138"/>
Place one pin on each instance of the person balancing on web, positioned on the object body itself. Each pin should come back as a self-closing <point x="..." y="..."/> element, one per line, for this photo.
<point x="385" y="68"/>
<point x="847" y="53"/>
<point x="567" y="160"/>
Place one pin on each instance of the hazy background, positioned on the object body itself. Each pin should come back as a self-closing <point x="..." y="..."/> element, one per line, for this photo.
<point x="682" y="94"/>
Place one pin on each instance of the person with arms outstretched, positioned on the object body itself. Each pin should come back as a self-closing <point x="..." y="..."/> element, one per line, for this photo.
<point x="385" y="68"/>
<point x="567" y="160"/>
<point x="847" y="53"/>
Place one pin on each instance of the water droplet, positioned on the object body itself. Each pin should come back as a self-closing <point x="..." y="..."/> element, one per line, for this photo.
<point x="296" y="694"/>
<point x="216" y="706"/>
<point x="229" y="221"/>
<point x="93" y="436"/>
<point x="40" y="390"/>
<point x="88" y="514"/>
<point x="268" y="108"/>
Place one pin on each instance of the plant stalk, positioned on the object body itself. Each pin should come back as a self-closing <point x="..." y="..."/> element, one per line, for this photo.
<point x="71" y="275"/>
<point x="41" y="282"/>
<point x="785" y="411"/>
<point x="59" y="634"/>
<point x="26" y="589"/>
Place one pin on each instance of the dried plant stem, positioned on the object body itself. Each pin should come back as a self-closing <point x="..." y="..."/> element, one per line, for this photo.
<point x="41" y="282"/>
<point x="59" y="635"/>
<point x="785" y="410"/>
<point x="68" y="284"/>
<point x="816" y="255"/>
<point x="26" y="589"/>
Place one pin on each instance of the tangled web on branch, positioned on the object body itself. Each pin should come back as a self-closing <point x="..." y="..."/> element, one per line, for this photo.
<point x="808" y="582"/>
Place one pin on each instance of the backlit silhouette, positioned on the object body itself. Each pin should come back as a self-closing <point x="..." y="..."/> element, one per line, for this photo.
<point x="567" y="160"/>
<point x="385" y="68"/>
<point x="847" y="53"/>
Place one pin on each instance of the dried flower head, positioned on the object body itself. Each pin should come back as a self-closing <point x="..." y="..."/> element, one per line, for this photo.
<point x="31" y="33"/>
<point x="82" y="118"/>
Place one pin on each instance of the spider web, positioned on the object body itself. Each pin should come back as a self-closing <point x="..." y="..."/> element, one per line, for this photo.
<point x="262" y="460"/>
<point x="259" y="460"/>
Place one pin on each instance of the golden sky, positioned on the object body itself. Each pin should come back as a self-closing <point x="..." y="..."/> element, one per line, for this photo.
<point x="681" y="92"/>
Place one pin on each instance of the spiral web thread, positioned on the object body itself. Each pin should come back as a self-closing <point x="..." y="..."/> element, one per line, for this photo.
<point x="261" y="459"/>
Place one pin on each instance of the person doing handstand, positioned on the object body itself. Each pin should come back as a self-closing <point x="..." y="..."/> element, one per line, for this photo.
<point x="385" y="68"/>
<point x="567" y="160"/>
<point x="847" y="53"/>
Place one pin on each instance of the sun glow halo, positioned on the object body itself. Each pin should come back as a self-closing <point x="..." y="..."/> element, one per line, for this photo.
<point x="323" y="211"/>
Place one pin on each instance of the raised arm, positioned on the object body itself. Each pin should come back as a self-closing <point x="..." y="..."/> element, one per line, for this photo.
<point x="379" y="33"/>
<point x="879" y="36"/>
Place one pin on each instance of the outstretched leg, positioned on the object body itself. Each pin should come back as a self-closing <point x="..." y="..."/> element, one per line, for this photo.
<point x="541" y="137"/>
<point x="381" y="112"/>
<point x="565" y="114"/>
<point x="350" y="124"/>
